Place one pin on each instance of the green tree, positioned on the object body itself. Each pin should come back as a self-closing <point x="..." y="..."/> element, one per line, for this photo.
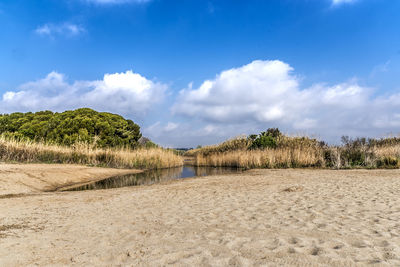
<point x="66" y="128"/>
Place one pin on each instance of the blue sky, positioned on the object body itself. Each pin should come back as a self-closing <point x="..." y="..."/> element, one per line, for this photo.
<point x="198" y="72"/>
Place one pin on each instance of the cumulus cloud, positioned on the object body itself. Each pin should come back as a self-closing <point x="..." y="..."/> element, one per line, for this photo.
<point x="126" y="93"/>
<point x="64" y="29"/>
<point x="242" y="100"/>
<point x="266" y="94"/>
<point x="240" y="94"/>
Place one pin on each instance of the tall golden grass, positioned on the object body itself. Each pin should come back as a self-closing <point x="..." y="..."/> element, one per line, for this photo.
<point x="387" y="151"/>
<point x="299" y="152"/>
<point x="237" y="143"/>
<point x="303" y="154"/>
<point x="28" y="151"/>
<point x="291" y="152"/>
<point x="268" y="158"/>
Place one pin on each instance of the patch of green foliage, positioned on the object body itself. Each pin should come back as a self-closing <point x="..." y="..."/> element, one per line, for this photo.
<point x="388" y="163"/>
<point x="145" y="142"/>
<point x="67" y="128"/>
<point x="266" y="139"/>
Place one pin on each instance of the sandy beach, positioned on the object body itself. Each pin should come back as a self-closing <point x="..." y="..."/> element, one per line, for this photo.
<point x="35" y="178"/>
<point x="257" y="218"/>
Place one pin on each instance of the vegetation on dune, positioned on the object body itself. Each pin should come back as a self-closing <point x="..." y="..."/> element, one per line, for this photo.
<point x="85" y="136"/>
<point x="82" y="125"/>
<point x="81" y="153"/>
<point x="363" y="152"/>
<point x="81" y="136"/>
<point x="272" y="149"/>
<point x="266" y="139"/>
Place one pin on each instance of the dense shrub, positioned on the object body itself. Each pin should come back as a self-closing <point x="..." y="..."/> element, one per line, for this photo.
<point x="262" y="142"/>
<point x="70" y="127"/>
<point x="388" y="162"/>
<point x="266" y="139"/>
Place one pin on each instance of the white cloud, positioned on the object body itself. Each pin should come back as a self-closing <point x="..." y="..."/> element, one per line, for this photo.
<point x="266" y="94"/>
<point x="253" y="91"/>
<point x="243" y="100"/>
<point x="110" y="2"/>
<point x="125" y="93"/>
<point x="339" y="2"/>
<point x="64" y="29"/>
<point x="171" y="126"/>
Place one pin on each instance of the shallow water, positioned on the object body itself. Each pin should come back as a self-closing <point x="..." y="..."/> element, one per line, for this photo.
<point x="155" y="176"/>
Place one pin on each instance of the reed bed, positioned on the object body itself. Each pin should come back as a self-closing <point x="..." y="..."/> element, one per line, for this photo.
<point x="237" y="143"/>
<point x="34" y="152"/>
<point x="387" y="151"/>
<point x="300" y="152"/>
<point x="266" y="158"/>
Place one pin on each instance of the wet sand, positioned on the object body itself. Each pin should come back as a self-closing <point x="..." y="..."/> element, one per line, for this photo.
<point x="35" y="178"/>
<point x="259" y="217"/>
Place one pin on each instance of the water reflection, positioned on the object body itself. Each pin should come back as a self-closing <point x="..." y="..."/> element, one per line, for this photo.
<point x="155" y="176"/>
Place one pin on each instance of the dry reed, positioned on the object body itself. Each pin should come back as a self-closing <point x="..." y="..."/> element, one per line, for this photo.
<point x="292" y="152"/>
<point x="267" y="158"/>
<point x="299" y="152"/>
<point x="27" y="151"/>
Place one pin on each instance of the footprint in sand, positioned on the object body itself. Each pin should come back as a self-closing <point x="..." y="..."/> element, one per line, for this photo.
<point x="359" y="244"/>
<point x="338" y="246"/>
<point x="294" y="241"/>
<point x="316" y="251"/>
<point x="384" y="244"/>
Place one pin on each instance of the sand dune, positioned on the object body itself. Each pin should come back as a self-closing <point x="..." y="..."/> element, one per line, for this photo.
<point x="34" y="178"/>
<point x="260" y="217"/>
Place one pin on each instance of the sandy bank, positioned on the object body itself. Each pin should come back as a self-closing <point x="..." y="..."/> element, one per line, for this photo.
<point x="260" y="217"/>
<point x="33" y="178"/>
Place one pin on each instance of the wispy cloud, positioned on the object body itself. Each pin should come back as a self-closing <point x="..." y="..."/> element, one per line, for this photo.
<point x="63" y="29"/>
<point x="339" y="2"/>
<point x="381" y="68"/>
<point x="111" y="2"/>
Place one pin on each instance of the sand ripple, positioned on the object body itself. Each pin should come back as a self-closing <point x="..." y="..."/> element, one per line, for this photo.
<point x="328" y="218"/>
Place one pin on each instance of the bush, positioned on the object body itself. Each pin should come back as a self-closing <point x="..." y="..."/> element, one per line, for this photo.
<point x="266" y="139"/>
<point x="262" y="142"/>
<point x="70" y="127"/>
<point x="387" y="162"/>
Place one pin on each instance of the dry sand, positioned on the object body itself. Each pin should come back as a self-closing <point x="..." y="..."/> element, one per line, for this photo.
<point x="33" y="178"/>
<point x="260" y="217"/>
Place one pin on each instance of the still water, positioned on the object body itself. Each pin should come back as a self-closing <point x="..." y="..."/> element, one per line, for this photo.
<point x="156" y="176"/>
